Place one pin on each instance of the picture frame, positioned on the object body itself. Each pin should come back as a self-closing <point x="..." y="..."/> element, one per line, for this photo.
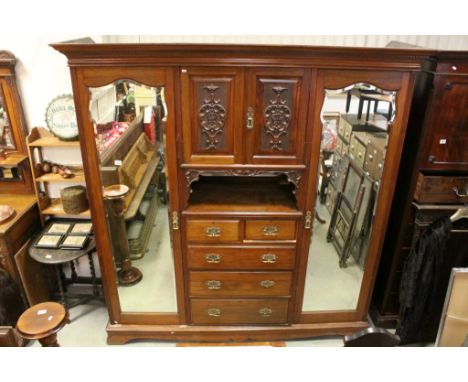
<point x="59" y="228"/>
<point x="74" y="242"/>
<point x="49" y="241"/>
<point x="82" y="229"/>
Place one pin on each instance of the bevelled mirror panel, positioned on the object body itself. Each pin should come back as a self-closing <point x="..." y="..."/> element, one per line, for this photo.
<point x="356" y="122"/>
<point x="129" y="124"/>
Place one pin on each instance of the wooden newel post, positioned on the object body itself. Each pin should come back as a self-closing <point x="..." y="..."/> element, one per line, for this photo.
<point x="115" y="205"/>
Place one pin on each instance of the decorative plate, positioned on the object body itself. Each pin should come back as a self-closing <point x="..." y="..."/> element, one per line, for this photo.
<point x="6" y="212"/>
<point x="60" y="118"/>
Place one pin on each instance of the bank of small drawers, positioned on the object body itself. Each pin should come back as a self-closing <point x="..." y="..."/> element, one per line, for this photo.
<point x="240" y="271"/>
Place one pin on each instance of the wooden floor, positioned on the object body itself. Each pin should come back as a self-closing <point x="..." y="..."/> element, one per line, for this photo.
<point x="252" y="343"/>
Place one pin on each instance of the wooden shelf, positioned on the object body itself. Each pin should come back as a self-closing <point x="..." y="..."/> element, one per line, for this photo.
<point x="222" y="194"/>
<point x="57" y="178"/>
<point x="13" y="160"/>
<point x="135" y="197"/>
<point x="55" y="208"/>
<point x="40" y="137"/>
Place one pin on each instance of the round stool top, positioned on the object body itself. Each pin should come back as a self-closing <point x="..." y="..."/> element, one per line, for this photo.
<point x="42" y="320"/>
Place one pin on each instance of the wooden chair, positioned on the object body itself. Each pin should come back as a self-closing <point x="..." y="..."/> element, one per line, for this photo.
<point x="42" y="322"/>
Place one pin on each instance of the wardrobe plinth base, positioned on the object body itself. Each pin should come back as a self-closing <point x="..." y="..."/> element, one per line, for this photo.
<point x="119" y="334"/>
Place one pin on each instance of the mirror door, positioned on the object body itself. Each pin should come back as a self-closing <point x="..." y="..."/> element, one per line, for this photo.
<point x="355" y="119"/>
<point x="128" y="144"/>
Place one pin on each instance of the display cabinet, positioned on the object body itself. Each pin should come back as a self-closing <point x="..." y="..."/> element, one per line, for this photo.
<point x="240" y="250"/>
<point x="19" y="214"/>
<point x="432" y="182"/>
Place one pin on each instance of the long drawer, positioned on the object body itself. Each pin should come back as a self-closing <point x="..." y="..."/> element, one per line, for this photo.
<point x="240" y="257"/>
<point x="239" y="311"/>
<point x="240" y="284"/>
<point x="441" y="189"/>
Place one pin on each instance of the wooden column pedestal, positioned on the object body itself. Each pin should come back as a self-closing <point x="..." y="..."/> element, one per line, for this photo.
<point x="114" y="196"/>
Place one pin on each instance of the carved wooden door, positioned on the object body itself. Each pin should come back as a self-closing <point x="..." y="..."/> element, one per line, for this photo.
<point x="276" y="115"/>
<point x="212" y="114"/>
<point x="447" y="136"/>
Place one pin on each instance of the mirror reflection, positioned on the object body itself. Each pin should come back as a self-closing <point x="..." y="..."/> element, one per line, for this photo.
<point x="6" y="137"/>
<point x="355" y="125"/>
<point x="129" y="123"/>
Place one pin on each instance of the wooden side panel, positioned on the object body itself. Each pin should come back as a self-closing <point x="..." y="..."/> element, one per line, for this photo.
<point x="447" y="137"/>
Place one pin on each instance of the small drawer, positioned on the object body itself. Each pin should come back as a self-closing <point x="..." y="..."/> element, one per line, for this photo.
<point x="344" y="148"/>
<point x="241" y="257"/>
<point x="339" y="145"/>
<point x="216" y="231"/>
<point x="270" y="230"/>
<point x="370" y="164"/>
<point x="240" y="284"/>
<point x="361" y="154"/>
<point x="239" y="311"/>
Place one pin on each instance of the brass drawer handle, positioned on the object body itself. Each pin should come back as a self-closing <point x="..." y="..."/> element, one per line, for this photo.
<point x="213" y="258"/>
<point x="213" y="312"/>
<point x="267" y="283"/>
<point x="213" y="284"/>
<point x="270" y="230"/>
<point x="265" y="312"/>
<point x="460" y="194"/>
<point x="213" y="231"/>
<point x="269" y="258"/>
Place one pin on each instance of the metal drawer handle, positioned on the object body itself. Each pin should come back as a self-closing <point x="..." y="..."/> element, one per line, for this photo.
<point x="460" y="195"/>
<point x="269" y="258"/>
<point x="213" y="258"/>
<point x="213" y="231"/>
<point x="265" y="312"/>
<point x="213" y="284"/>
<point x="267" y="283"/>
<point x="213" y="312"/>
<point x="270" y="230"/>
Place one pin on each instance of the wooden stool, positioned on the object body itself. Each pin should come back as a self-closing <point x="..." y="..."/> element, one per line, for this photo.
<point x="42" y="322"/>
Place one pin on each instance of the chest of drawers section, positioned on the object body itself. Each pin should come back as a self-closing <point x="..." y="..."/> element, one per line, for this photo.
<point x="240" y="270"/>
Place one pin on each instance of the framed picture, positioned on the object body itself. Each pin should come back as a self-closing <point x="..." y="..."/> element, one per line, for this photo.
<point x="59" y="228"/>
<point x="49" y="241"/>
<point x="82" y="229"/>
<point x="74" y="242"/>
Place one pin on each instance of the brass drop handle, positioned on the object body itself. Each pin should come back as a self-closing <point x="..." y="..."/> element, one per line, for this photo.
<point x="459" y="194"/>
<point x="213" y="284"/>
<point x="213" y="312"/>
<point x="265" y="312"/>
<point x="213" y="258"/>
<point x="269" y="258"/>
<point x="250" y="118"/>
<point x="267" y="284"/>
<point x="213" y="231"/>
<point x="270" y="230"/>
